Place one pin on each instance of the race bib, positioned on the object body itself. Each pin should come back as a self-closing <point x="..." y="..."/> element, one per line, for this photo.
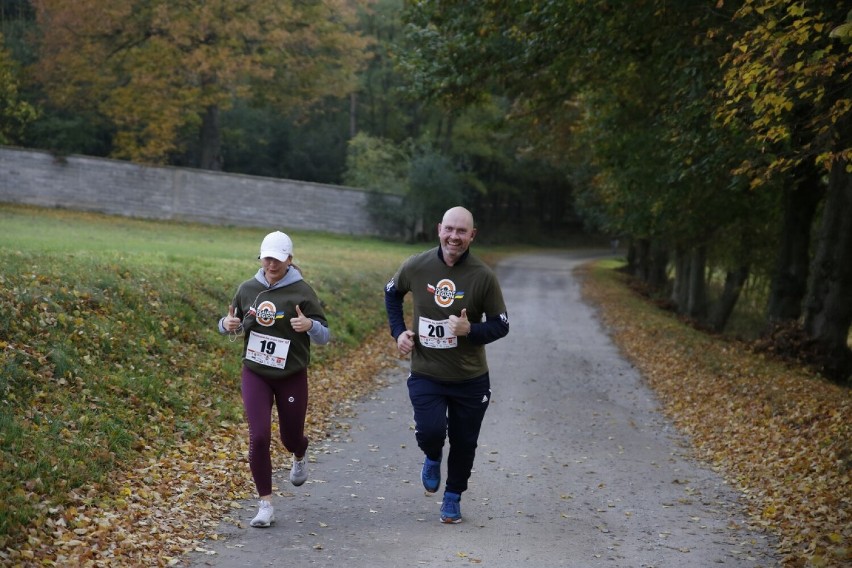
<point x="267" y="350"/>
<point x="436" y="334"/>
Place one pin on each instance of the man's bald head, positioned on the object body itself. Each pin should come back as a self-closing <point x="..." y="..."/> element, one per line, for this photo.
<point x="455" y="232"/>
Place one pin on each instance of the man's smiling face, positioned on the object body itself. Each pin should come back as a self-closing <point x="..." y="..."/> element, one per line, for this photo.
<point x="455" y="232"/>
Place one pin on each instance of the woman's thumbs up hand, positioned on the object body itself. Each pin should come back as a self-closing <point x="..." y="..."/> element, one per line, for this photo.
<point x="301" y="323"/>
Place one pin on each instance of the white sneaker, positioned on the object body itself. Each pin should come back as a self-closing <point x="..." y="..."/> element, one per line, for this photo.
<point x="265" y="514"/>
<point x="299" y="472"/>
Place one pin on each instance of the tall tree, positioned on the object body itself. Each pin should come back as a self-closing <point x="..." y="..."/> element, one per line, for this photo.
<point x="828" y="308"/>
<point x="381" y="110"/>
<point x="788" y="79"/>
<point x="157" y="68"/>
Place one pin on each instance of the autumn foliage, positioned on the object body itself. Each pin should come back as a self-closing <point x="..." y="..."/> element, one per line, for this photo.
<point x="154" y="68"/>
<point x="775" y="430"/>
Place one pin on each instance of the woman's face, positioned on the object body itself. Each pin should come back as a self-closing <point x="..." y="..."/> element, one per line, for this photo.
<point x="275" y="269"/>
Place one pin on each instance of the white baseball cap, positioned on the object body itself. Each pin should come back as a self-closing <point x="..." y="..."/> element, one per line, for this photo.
<point x="276" y="245"/>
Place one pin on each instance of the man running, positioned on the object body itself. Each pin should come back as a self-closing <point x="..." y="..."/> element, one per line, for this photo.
<point x="458" y="309"/>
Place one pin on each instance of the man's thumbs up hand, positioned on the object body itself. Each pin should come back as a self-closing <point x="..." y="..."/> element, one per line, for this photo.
<point x="459" y="325"/>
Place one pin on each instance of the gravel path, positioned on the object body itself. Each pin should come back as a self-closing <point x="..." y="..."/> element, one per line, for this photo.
<point x="576" y="467"/>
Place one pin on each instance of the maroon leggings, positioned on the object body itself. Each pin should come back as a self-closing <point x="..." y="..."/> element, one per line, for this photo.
<point x="290" y="396"/>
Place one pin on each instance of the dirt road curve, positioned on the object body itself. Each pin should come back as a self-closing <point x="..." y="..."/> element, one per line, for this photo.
<point x="576" y="467"/>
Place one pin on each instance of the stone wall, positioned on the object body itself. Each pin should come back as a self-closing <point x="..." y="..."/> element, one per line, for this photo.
<point x="115" y="187"/>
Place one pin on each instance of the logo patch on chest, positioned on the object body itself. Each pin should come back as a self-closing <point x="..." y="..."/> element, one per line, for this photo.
<point x="445" y="292"/>
<point x="266" y="313"/>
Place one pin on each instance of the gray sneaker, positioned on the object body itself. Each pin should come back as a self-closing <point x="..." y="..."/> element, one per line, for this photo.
<point x="265" y="515"/>
<point x="298" y="472"/>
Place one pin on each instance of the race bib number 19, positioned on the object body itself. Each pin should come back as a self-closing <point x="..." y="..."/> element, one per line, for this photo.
<point x="267" y="350"/>
<point x="436" y="334"/>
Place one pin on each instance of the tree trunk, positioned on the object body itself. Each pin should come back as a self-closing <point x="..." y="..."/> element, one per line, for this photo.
<point x="724" y="307"/>
<point x="631" y="257"/>
<point x="696" y="307"/>
<point x="658" y="269"/>
<point x="353" y="107"/>
<point x="680" y="288"/>
<point x="210" y="142"/>
<point x="828" y="306"/>
<point x="790" y="279"/>
<point x="643" y="259"/>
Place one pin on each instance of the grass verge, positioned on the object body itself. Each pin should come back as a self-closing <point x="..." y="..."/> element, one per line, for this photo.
<point x="109" y="357"/>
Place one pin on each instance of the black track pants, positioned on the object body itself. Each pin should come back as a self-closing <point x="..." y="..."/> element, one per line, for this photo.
<point x="451" y="410"/>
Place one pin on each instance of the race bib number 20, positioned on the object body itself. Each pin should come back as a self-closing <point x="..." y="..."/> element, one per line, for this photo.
<point x="267" y="350"/>
<point x="436" y="334"/>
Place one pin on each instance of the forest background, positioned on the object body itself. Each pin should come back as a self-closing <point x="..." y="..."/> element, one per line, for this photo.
<point x="712" y="137"/>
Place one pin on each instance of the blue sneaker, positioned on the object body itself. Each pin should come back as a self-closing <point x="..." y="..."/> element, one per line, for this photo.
<point x="431" y="475"/>
<point x="451" y="508"/>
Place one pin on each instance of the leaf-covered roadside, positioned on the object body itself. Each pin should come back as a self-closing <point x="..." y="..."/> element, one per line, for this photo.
<point x="154" y="511"/>
<point x="779" y="434"/>
<point x="121" y="433"/>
